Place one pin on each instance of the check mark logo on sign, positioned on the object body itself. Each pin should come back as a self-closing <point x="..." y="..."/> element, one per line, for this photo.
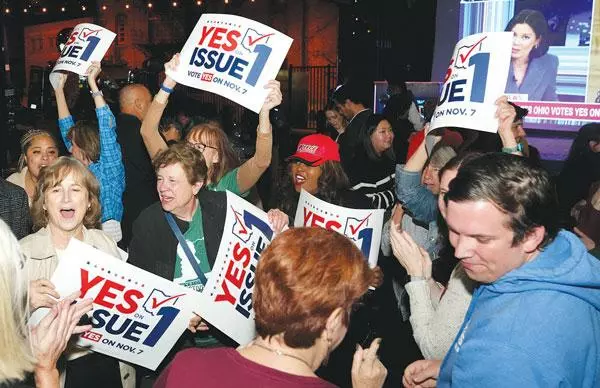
<point x="466" y="56"/>
<point x="87" y="32"/>
<point x="252" y="42"/>
<point x="243" y="229"/>
<point x="156" y="303"/>
<point x="353" y="229"/>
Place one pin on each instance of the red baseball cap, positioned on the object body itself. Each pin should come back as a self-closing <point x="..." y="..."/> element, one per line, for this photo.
<point x="314" y="150"/>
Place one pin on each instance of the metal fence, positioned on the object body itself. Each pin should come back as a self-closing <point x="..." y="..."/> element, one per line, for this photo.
<point x="308" y="91"/>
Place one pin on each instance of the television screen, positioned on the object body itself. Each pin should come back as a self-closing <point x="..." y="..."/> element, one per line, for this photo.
<point x="555" y="58"/>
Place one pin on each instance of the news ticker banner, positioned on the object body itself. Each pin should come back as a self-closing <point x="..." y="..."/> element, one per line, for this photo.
<point x="560" y="110"/>
<point x="87" y="43"/>
<point x="362" y="226"/>
<point x="475" y="79"/>
<point x="226" y="300"/>
<point x="232" y="56"/>
<point x="137" y="316"/>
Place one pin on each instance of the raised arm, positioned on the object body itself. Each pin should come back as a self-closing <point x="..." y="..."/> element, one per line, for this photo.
<point x="92" y="74"/>
<point x="65" y="120"/>
<point x="249" y="172"/>
<point x="152" y="140"/>
<point x="110" y="150"/>
<point x="506" y="116"/>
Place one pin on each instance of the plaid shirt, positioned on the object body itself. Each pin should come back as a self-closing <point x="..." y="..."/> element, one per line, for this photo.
<point x="109" y="168"/>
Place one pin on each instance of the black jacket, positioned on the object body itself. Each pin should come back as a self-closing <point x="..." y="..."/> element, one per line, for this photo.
<point x="153" y="246"/>
<point x="140" y="178"/>
<point x="14" y="208"/>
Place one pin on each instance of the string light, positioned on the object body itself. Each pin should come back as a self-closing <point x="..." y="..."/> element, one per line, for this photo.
<point x="7" y="10"/>
<point x="174" y="4"/>
<point x="83" y="8"/>
<point x="24" y="10"/>
<point x="44" y="9"/>
<point x="126" y="6"/>
<point x="63" y="9"/>
<point x="149" y="5"/>
<point x="226" y="1"/>
<point x="104" y="7"/>
<point x="198" y="2"/>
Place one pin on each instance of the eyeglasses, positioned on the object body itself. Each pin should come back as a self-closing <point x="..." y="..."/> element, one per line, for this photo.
<point x="201" y="146"/>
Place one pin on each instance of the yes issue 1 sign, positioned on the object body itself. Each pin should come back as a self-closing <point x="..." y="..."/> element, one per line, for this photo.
<point x="137" y="316"/>
<point x="87" y="43"/>
<point x="232" y="56"/>
<point x="226" y="300"/>
<point x="475" y="78"/>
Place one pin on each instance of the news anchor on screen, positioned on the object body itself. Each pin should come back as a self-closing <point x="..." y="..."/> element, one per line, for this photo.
<point x="532" y="70"/>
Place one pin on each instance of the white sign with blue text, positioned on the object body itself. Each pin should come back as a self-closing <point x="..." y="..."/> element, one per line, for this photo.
<point x="226" y="300"/>
<point x="137" y="316"/>
<point x="232" y="56"/>
<point x="86" y="44"/>
<point x="475" y="79"/>
<point x="362" y="226"/>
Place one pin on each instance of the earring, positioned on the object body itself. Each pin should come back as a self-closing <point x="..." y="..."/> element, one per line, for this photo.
<point x="329" y="346"/>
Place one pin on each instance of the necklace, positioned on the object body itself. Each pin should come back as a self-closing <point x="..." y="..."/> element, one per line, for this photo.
<point x="280" y="353"/>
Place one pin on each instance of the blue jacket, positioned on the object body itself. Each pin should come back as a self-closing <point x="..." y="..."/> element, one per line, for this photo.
<point x="540" y="79"/>
<point x="537" y="326"/>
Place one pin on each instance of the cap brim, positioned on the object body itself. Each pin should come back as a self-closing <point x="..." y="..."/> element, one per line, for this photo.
<point x="307" y="159"/>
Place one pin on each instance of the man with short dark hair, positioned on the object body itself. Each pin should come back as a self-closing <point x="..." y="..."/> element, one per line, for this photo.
<point x="535" y="319"/>
<point x="349" y="100"/>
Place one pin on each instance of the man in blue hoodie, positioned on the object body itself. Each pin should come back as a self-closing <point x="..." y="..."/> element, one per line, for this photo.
<point x="535" y="319"/>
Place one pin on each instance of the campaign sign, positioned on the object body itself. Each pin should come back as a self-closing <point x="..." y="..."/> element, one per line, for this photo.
<point x="475" y="79"/>
<point x="137" y="316"/>
<point x="232" y="56"/>
<point x="88" y="42"/>
<point x="362" y="226"/>
<point x="226" y="300"/>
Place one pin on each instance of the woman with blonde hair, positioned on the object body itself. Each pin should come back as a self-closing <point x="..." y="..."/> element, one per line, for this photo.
<point x="38" y="150"/>
<point x="66" y="206"/>
<point x="23" y="351"/>
<point x="224" y="170"/>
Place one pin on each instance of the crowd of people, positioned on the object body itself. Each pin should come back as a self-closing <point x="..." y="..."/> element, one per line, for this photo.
<point x="488" y="264"/>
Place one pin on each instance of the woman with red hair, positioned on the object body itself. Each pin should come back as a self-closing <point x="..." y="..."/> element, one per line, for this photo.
<point x="303" y="297"/>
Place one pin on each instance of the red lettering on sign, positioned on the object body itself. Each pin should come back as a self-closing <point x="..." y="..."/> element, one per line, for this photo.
<point x="234" y="275"/>
<point x="206" y="31"/>
<point x="86" y="284"/>
<point x="311" y="219"/>
<point x="105" y="292"/>
<point x="206" y="77"/>
<point x="226" y="295"/>
<point x="90" y="335"/>
<point x="232" y="39"/>
<point x="239" y="254"/>
<point x="131" y="303"/>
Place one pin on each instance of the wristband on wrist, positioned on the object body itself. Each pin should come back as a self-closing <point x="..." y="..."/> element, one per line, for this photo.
<point x="510" y="150"/>
<point x="166" y="89"/>
<point x="97" y="93"/>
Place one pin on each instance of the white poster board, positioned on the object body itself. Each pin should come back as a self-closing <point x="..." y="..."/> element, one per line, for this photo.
<point x="137" y="316"/>
<point x="226" y="300"/>
<point x="87" y="43"/>
<point x="362" y="226"/>
<point x="232" y="56"/>
<point x="475" y="79"/>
